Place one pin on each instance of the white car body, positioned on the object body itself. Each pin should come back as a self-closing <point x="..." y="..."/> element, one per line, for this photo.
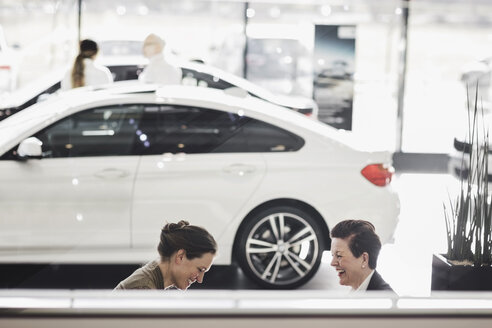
<point x="297" y="103"/>
<point x="128" y="68"/>
<point x="126" y="52"/>
<point x="110" y="209"/>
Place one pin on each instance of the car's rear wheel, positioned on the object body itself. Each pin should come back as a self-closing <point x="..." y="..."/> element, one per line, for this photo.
<point x="280" y="247"/>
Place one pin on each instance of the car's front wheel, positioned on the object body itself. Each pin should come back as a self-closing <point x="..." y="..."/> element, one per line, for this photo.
<point x="280" y="247"/>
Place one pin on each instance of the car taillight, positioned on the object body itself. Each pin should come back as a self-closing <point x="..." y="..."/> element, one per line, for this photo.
<point x="378" y="174"/>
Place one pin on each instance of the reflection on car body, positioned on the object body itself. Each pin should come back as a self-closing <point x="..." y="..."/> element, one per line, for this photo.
<point x="266" y="182"/>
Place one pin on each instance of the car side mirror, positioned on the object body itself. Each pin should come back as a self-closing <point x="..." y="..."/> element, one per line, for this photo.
<point x="30" y="148"/>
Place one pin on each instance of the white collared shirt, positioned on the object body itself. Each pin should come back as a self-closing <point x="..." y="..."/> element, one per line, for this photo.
<point x="94" y="74"/>
<point x="159" y="71"/>
<point x="365" y="284"/>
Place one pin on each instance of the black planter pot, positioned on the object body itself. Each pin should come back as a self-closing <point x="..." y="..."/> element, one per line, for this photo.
<point x="447" y="276"/>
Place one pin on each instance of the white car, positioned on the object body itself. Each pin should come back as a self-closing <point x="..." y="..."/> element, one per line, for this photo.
<point x="91" y="177"/>
<point x="123" y="69"/>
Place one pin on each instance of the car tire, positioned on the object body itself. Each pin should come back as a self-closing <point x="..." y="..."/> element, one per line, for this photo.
<point x="280" y="247"/>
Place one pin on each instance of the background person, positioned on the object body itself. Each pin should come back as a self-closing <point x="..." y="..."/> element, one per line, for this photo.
<point x="158" y="70"/>
<point x="355" y="248"/>
<point x="85" y="71"/>
<point x="186" y="254"/>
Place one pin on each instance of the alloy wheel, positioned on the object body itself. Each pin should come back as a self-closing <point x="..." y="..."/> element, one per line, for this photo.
<point x="282" y="249"/>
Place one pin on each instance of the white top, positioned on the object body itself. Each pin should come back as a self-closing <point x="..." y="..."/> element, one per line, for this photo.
<point x="159" y="71"/>
<point x="365" y="283"/>
<point x="94" y="75"/>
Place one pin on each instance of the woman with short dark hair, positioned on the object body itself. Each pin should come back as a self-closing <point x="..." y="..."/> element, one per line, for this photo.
<point x="186" y="254"/>
<point x="355" y="248"/>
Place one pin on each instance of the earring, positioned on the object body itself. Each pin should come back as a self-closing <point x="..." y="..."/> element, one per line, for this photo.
<point x="363" y="266"/>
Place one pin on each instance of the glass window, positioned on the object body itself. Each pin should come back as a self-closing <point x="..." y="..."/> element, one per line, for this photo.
<point x="158" y="129"/>
<point x="10" y="155"/>
<point x="192" y="77"/>
<point x="208" y="31"/>
<point x="264" y="137"/>
<point x="41" y="40"/>
<point x="448" y="44"/>
<point x="106" y="131"/>
<point x="192" y="130"/>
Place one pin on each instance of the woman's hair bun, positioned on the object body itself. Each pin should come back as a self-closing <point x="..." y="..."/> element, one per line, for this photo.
<point x="171" y="227"/>
<point x="194" y="240"/>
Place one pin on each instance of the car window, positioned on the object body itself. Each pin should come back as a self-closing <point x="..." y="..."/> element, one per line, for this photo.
<point x="193" y="130"/>
<point x="105" y="131"/>
<point x="157" y="129"/>
<point x="125" y="72"/>
<point x="192" y="77"/>
<point x="263" y="137"/>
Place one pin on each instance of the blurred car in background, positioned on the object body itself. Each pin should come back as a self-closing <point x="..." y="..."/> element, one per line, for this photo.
<point x="8" y="66"/>
<point x="211" y="77"/>
<point x="129" y="67"/>
<point x="123" y="57"/>
<point x="121" y="48"/>
<point x="339" y="70"/>
<point x="93" y="175"/>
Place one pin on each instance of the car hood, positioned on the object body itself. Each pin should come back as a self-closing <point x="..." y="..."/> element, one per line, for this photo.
<point x="25" y="94"/>
<point x="282" y="100"/>
<point x="20" y="125"/>
<point x="294" y="101"/>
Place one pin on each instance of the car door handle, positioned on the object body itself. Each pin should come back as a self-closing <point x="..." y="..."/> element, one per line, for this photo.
<point x="239" y="169"/>
<point x="111" y="173"/>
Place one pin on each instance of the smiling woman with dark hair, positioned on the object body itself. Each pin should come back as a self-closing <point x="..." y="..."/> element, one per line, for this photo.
<point x="355" y="248"/>
<point x="186" y="254"/>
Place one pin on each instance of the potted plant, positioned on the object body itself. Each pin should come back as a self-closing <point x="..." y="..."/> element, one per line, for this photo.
<point x="467" y="262"/>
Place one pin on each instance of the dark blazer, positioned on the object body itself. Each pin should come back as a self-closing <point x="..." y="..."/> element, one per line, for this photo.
<point x="378" y="283"/>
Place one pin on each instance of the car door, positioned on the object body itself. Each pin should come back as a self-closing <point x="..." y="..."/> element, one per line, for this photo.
<point x="79" y="193"/>
<point x="195" y="166"/>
